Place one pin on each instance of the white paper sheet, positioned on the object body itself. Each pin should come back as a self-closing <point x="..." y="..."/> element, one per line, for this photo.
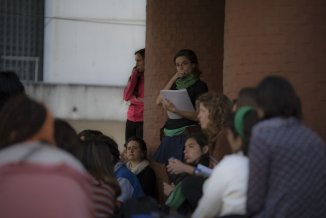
<point x="180" y="99"/>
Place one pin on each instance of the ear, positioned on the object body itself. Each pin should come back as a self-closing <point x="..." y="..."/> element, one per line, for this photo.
<point x="205" y="149"/>
<point x="238" y="144"/>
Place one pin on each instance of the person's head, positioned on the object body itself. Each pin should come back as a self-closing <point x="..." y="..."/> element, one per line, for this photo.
<point x="140" y="60"/>
<point x="240" y="125"/>
<point x="196" y="146"/>
<point x="66" y="137"/>
<point x="89" y="134"/>
<point x="10" y="85"/>
<point x="186" y="62"/>
<point x="277" y="98"/>
<point x="246" y="97"/>
<point x="213" y="110"/>
<point x="23" y="119"/>
<point x="95" y="154"/>
<point x="136" y="149"/>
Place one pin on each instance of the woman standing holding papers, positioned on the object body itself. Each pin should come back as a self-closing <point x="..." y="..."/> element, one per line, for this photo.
<point x="186" y="77"/>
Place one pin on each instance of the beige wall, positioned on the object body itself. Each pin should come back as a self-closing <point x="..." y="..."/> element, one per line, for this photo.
<point x="114" y="129"/>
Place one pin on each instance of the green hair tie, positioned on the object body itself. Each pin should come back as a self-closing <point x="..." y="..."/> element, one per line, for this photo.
<point x="238" y="121"/>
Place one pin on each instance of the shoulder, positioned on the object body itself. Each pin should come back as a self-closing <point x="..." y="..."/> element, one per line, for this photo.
<point x="200" y="85"/>
<point x="236" y="162"/>
<point x="122" y="172"/>
<point x="235" y="159"/>
<point x="47" y="154"/>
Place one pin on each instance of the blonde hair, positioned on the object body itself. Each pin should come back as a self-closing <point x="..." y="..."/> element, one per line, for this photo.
<point x="219" y="107"/>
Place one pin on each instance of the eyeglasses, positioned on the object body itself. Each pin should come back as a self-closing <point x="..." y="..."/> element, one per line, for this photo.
<point x="182" y="64"/>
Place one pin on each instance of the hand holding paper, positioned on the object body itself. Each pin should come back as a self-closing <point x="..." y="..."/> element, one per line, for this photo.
<point x="177" y="100"/>
<point x="168" y="105"/>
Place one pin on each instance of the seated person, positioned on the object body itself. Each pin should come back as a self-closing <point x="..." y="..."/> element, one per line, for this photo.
<point x="96" y="156"/>
<point x="136" y="154"/>
<point x="225" y="191"/>
<point x="38" y="179"/>
<point x="195" y="152"/>
<point x="129" y="183"/>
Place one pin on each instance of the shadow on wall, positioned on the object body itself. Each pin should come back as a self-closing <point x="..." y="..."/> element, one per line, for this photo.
<point x="114" y="129"/>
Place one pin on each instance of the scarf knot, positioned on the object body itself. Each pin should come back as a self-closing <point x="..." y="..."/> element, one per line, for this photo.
<point x="137" y="169"/>
<point x="186" y="81"/>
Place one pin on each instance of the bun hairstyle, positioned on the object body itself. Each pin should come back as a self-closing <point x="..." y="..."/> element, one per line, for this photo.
<point x="241" y="123"/>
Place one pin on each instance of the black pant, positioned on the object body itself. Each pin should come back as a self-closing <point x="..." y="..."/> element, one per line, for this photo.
<point x="133" y="129"/>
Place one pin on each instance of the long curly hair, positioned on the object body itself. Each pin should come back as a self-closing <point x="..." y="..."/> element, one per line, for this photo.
<point x="219" y="107"/>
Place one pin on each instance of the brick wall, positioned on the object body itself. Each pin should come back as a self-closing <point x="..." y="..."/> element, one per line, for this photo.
<point x="173" y="25"/>
<point x="285" y="37"/>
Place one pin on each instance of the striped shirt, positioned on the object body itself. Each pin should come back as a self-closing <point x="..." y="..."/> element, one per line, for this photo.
<point x="104" y="199"/>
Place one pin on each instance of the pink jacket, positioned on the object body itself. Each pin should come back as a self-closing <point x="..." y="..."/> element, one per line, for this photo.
<point x="136" y="107"/>
<point x="50" y="183"/>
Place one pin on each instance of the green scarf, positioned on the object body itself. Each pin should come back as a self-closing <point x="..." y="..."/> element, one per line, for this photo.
<point x="176" y="198"/>
<point x="186" y="81"/>
<point x="175" y="132"/>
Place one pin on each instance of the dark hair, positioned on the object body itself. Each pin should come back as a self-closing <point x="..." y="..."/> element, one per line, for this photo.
<point x="277" y="97"/>
<point x="66" y="137"/>
<point x="249" y="120"/>
<point x="95" y="154"/>
<point x="20" y="119"/>
<point x="141" y="143"/>
<point x="10" y="85"/>
<point x="219" y="107"/>
<point x="247" y="97"/>
<point x="91" y="135"/>
<point x="141" y="52"/>
<point x="191" y="56"/>
<point x="199" y="137"/>
<point x="202" y="141"/>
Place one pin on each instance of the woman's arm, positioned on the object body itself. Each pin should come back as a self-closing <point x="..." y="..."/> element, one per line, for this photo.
<point x="168" y="105"/>
<point x="168" y="188"/>
<point x="175" y="166"/>
<point x="132" y="82"/>
<point x="168" y="86"/>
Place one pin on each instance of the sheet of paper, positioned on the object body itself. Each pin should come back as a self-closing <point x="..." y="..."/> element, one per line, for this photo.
<point x="180" y="99"/>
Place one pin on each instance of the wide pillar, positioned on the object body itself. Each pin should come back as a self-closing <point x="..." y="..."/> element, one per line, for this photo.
<point x="171" y="26"/>
<point x="284" y="37"/>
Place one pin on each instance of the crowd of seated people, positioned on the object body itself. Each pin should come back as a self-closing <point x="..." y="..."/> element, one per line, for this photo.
<point x="250" y="158"/>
